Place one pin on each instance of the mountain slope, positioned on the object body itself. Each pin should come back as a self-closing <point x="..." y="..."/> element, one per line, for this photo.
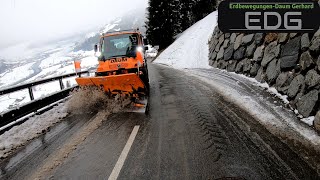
<point x="132" y="20"/>
<point x="190" y="50"/>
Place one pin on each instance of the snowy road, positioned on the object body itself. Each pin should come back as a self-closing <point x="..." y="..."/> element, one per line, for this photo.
<point x="203" y="124"/>
<point x="192" y="132"/>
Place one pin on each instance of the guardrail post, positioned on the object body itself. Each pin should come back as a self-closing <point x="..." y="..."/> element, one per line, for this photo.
<point x="35" y="83"/>
<point x="31" y="93"/>
<point x="61" y="84"/>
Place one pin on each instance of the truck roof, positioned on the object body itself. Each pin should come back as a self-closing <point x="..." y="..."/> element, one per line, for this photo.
<point x="120" y="32"/>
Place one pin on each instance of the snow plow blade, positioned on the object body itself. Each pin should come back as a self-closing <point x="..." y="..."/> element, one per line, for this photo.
<point x="125" y="84"/>
<point x="116" y="84"/>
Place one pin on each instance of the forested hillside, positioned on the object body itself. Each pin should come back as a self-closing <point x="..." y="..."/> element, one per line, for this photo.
<point x="167" y="19"/>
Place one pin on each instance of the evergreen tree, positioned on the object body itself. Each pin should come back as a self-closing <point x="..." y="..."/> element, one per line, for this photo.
<point x="154" y="12"/>
<point x="166" y="19"/>
<point x="175" y="15"/>
<point x="160" y="23"/>
<point x="202" y="8"/>
<point x="186" y="14"/>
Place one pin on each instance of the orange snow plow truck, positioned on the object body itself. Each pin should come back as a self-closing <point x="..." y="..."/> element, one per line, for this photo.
<point x="122" y="66"/>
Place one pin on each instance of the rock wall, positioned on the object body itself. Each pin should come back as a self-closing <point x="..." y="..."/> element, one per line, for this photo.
<point x="288" y="62"/>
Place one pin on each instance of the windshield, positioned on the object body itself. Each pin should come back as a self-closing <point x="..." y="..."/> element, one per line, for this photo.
<point x="119" y="45"/>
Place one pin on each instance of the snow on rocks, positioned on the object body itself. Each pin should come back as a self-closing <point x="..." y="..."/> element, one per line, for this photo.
<point x="309" y="120"/>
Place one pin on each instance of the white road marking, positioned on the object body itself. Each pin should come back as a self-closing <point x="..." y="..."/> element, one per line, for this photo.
<point x="117" y="168"/>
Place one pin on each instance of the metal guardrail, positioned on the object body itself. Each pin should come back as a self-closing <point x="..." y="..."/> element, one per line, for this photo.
<point x="33" y="106"/>
<point x="35" y="83"/>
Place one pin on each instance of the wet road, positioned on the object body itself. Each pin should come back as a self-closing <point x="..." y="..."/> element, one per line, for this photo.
<point x="191" y="132"/>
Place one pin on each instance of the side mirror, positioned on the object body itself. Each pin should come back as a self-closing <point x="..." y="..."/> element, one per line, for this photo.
<point x="145" y="41"/>
<point x="146" y="48"/>
<point x="95" y="48"/>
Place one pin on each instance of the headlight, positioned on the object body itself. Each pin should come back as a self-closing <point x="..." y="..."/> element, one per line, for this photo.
<point x="140" y="49"/>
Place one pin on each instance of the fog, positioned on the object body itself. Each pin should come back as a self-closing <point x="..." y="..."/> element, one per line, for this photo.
<point x="43" y="20"/>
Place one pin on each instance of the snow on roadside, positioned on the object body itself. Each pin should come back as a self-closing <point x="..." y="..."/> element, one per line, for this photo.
<point x="275" y="119"/>
<point x="190" y="50"/>
<point x="308" y="120"/>
<point x="271" y="90"/>
<point x="32" y="128"/>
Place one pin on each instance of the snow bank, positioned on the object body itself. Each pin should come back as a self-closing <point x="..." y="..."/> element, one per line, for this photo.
<point x="32" y="128"/>
<point x="190" y="50"/>
<point x="273" y="91"/>
<point x="274" y="118"/>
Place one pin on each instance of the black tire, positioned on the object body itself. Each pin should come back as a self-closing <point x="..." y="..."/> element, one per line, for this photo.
<point x="147" y="108"/>
<point x="145" y="79"/>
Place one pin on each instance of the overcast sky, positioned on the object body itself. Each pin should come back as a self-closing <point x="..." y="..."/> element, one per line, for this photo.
<point x="30" y="20"/>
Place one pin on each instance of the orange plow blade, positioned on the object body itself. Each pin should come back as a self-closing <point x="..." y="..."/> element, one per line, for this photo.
<point x="124" y="83"/>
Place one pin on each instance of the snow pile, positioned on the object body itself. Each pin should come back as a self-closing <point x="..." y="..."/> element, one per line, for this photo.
<point x="32" y="128"/>
<point x="91" y="99"/>
<point x="190" y="50"/>
<point x="308" y="120"/>
<point x="271" y="90"/>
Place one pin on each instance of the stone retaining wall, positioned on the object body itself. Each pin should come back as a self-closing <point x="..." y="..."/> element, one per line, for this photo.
<point x="288" y="62"/>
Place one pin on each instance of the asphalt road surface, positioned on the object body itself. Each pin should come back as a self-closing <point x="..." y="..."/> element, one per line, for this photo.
<point x="191" y="132"/>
